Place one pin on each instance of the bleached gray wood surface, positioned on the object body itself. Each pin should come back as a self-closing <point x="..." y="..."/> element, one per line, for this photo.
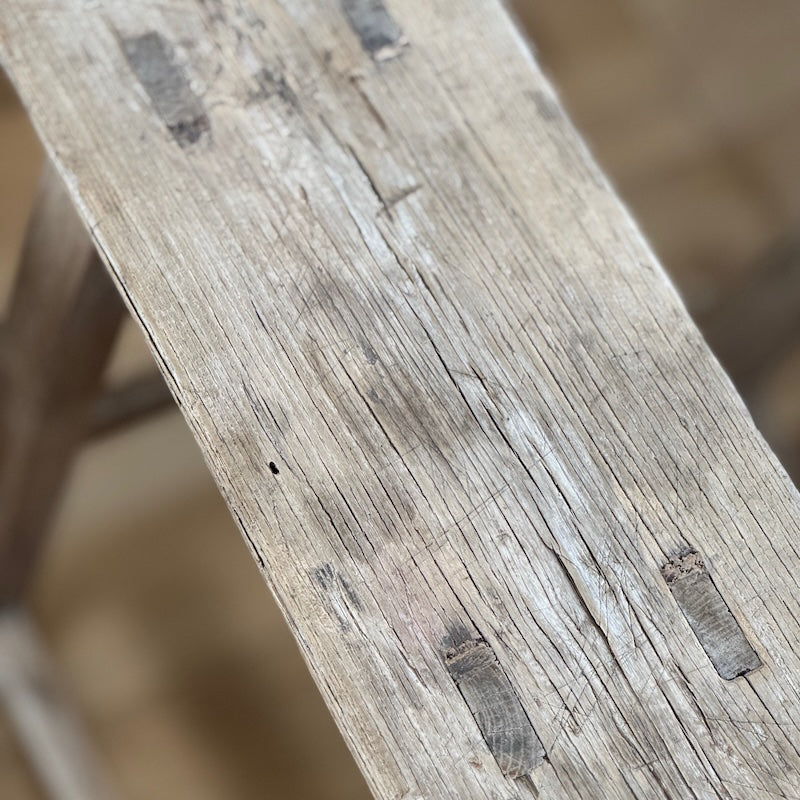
<point x="459" y="412"/>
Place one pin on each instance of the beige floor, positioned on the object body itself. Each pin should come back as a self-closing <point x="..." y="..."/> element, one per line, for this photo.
<point x="185" y="672"/>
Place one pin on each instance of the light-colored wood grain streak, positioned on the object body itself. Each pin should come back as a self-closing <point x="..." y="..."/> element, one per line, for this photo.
<point x="407" y="286"/>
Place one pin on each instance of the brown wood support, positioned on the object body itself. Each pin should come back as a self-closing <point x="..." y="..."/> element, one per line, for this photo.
<point x="62" y="320"/>
<point x="119" y="406"/>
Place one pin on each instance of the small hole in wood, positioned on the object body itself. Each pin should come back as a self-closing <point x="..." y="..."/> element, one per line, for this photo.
<point x="272" y="468"/>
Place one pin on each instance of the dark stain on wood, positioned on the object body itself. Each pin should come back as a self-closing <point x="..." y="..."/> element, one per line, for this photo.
<point x="709" y="616"/>
<point x="379" y="34"/>
<point x="400" y="406"/>
<point x="271" y="83"/>
<point x="325" y="577"/>
<point x="494" y="704"/>
<point x="152" y="60"/>
<point x="369" y="352"/>
<point x="547" y="106"/>
<point x="340" y="596"/>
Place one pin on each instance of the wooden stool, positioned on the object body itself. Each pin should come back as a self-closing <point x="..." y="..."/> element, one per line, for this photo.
<point x="527" y="537"/>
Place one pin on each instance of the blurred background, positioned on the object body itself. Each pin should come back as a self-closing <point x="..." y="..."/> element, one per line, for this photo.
<point x="185" y="672"/>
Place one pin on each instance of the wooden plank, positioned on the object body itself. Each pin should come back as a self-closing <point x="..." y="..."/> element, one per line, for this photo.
<point x="448" y="393"/>
<point x="38" y="705"/>
<point x="62" y="318"/>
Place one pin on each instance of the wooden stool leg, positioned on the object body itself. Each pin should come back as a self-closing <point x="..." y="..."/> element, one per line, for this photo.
<point x="54" y="344"/>
<point x="49" y="730"/>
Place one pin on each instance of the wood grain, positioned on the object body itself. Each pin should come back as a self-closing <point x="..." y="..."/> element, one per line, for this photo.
<point x="407" y="286"/>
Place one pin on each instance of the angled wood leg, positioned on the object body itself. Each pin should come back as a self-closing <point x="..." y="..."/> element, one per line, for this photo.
<point x="54" y="344"/>
<point x="49" y="729"/>
<point x="124" y="405"/>
<point x="56" y="339"/>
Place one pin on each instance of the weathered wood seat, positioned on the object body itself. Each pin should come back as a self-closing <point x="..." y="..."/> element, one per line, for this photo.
<point x="522" y="526"/>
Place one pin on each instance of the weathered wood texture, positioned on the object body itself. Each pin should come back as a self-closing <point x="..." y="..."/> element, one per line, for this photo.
<point x="49" y="729"/>
<point x="444" y="386"/>
<point x="54" y="343"/>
